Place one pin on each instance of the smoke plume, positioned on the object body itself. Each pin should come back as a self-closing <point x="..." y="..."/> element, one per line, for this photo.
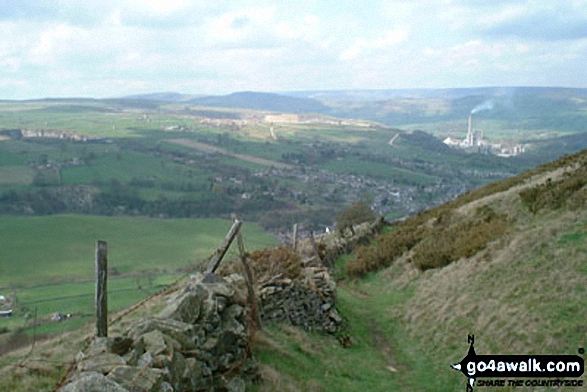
<point x="487" y="105"/>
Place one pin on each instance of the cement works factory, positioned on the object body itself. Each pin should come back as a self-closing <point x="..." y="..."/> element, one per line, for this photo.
<point x="474" y="142"/>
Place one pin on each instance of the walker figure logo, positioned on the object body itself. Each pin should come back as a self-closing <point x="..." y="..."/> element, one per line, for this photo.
<point x="475" y="366"/>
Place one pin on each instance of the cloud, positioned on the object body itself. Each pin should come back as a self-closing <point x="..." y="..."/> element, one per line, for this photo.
<point x="246" y="28"/>
<point x="391" y="38"/>
<point x="110" y="47"/>
<point x="542" y="25"/>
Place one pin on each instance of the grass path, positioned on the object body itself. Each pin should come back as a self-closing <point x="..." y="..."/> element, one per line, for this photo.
<point x="379" y="359"/>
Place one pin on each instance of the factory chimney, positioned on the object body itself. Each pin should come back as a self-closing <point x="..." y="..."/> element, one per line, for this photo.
<point x="470" y="131"/>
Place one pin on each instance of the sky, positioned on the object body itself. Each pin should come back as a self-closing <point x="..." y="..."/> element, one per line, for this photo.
<point x="109" y="48"/>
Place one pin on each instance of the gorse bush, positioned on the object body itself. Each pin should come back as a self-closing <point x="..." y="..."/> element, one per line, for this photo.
<point x="568" y="191"/>
<point x="446" y="244"/>
<point x="357" y="213"/>
<point x="267" y="263"/>
<point x="388" y="247"/>
<point x="433" y="246"/>
<point x="436" y="237"/>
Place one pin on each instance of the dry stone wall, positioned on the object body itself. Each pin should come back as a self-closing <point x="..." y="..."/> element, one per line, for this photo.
<point x="309" y="299"/>
<point x="198" y="342"/>
<point x="309" y="302"/>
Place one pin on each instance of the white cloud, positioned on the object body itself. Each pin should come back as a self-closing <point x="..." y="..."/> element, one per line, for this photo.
<point x="50" y="42"/>
<point x="11" y="64"/>
<point x="247" y="27"/>
<point x="221" y="46"/>
<point x="391" y="38"/>
<point x="507" y="13"/>
<point x="160" y="7"/>
<point x="115" y="18"/>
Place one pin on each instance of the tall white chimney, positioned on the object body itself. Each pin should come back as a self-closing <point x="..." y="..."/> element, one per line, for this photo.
<point x="470" y="131"/>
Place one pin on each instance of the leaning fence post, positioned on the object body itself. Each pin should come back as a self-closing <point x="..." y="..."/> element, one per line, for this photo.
<point x="101" y="290"/>
<point x="314" y="246"/>
<point x="220" y="252"/>
<point x="249" y="280"/>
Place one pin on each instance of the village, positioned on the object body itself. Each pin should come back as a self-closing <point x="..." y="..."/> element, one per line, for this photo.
<point x="297" y="178"/>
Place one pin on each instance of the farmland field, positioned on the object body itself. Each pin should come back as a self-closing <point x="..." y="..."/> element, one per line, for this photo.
<point x="16" y="175"/>
<point x="47" y="262"/>
<point x="60" y="247"/>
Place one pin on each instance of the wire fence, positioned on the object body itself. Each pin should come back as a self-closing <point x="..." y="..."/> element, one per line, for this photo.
<point x="46" y="368"/>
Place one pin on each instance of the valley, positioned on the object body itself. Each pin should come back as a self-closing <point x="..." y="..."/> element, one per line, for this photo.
<point x="161" y="180"/>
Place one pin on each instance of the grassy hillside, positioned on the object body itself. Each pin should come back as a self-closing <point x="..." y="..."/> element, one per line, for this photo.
<point x="506" y="263"/>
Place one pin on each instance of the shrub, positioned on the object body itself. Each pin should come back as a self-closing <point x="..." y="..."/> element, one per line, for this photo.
<point x="443" y="247"/>
<point x="447" y="240"/>
<point x="447" y="244"/>
<point x="555" y="194"/>
<point x="267" y="263"/>
<point x="357" y="213"/>
<point x="388" y="247"/>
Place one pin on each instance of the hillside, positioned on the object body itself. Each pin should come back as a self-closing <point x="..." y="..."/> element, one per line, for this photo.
<point x="505" y="262"/>
<point x="263" y="101"/>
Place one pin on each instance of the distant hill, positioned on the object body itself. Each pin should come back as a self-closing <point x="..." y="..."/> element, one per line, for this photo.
<point x="518" y="109"/>
<point x="161" y="96"/>
<point x="524" y="109"/>
<point x="421" y="93"/>
<point x="263" y="101"/>
<point x="550" y="149"/>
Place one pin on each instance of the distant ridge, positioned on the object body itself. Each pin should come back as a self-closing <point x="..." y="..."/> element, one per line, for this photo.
<point x="263" y="101"/>
<point x="360" y="95"/>
<point x="162" y="96"/>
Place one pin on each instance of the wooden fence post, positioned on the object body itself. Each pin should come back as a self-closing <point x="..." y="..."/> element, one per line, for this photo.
<point x="314" y="246"/>
<point x="220" y="252"/>
<point x="101" y="290"/>
<point x="295" y="237"/>
<point x="249" y="280"/>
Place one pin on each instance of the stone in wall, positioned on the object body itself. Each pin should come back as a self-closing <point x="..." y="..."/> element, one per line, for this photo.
<point x="198" y="342"/>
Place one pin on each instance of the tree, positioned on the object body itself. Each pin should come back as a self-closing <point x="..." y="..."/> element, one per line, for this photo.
<point x="357" y="213"/>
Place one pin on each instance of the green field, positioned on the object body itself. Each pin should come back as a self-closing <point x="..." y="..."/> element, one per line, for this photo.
<point x="77" y="298"/>
<point x="16" y="175"/>
<point x="61" y="248"/>
<point x="48" y="262"/>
